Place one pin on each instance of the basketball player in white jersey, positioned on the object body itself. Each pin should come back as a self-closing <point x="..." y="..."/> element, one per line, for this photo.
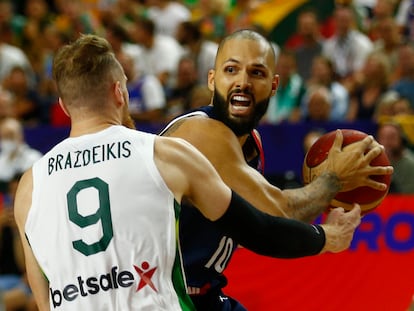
<point x="97" y="214"/>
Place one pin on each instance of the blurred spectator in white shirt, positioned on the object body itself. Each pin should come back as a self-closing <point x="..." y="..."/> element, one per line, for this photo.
<point x="349" y="47"/>
<point x="160" y="53"/>
<point x="146" y="94"/>
<point x="167" y="15"/>
<point x="16" y="156"/>
<point x="323" y="74"/>
<point x="12" y="56"/>
<point x="201" y="50"/>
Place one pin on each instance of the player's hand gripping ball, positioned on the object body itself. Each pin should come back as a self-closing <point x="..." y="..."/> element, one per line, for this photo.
<point x="367" y="197"/>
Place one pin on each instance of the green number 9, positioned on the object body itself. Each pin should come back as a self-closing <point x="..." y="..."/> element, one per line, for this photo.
<point x="103" y="213"/>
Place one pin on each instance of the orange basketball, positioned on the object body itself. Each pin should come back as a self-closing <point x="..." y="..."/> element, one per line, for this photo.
<point x="367" y="197"/>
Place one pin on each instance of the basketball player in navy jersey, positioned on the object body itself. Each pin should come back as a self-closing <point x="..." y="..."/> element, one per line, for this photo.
<point x="97" y="214"/>
<point x="242" y="82"/>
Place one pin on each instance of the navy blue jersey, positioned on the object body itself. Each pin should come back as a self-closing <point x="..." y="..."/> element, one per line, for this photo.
<point x="206" y="250"/>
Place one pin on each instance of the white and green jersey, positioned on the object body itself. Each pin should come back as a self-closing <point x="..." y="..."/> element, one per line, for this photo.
<point x="102" y="225"/>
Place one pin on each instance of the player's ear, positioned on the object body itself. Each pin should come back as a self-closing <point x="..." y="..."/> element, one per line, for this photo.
<point x="210" y="79"/>
<point x="118" y="92"/>
<point x="62" y="105"/>
<point x="275" y="84"/>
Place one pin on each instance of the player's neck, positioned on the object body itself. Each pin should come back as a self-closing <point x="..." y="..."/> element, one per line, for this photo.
<point x="89" y="126"/>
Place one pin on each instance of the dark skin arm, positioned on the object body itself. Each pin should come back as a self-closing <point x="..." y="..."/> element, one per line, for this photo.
<point x="219" y="144"/>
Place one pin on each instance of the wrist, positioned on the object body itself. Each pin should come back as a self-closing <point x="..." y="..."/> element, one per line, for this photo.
<point x="332" y="180"/>
<point x="331" y="239"/>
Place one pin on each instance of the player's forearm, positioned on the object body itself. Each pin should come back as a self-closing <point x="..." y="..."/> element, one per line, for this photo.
<point x="268" y="235"/>
<point x="308" y="202"/>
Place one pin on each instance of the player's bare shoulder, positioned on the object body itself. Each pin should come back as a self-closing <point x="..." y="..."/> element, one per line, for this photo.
<point x="170" y="149"/>
<point x="202" y="132"/>
<point x="179" y="163"/>
<point x="23" y="198"/>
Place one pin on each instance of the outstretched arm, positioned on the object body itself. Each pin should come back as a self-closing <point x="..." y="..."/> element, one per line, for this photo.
<point x="222" y="148"/>
<point x="189" y="174"/>
<point x="287" y="238"/>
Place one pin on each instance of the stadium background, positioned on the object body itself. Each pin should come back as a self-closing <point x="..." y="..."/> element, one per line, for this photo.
<point x="375" y="274"/>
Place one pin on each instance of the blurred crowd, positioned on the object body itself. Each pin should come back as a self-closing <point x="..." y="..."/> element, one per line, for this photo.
<point x="166" y="48"/>
<point x="356" y="65"/>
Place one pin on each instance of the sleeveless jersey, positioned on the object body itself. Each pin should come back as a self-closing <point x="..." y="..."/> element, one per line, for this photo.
<point x="205" y="249"/>
<point x="102" y="225"/>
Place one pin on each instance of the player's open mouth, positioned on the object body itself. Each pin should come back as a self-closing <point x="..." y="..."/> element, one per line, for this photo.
<point x="240" y="104"/>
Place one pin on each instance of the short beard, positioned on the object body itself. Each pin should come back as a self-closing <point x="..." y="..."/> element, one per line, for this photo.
<point x="240" y="126"/>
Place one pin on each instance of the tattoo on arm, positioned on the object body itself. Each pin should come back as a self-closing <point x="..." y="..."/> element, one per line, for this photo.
<point x="310" y="201"/>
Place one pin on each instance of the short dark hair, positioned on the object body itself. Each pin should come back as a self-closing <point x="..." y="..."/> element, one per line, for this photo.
<point x="248" y="34"/>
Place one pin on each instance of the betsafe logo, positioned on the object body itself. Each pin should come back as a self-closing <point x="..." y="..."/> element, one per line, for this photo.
<point x="113" y="280"/>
